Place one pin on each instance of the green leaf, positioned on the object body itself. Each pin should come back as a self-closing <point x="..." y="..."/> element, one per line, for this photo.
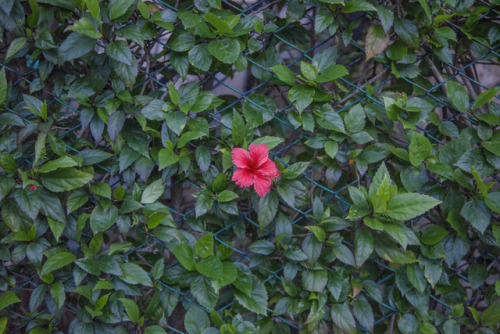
<point x="409" y="206"/>
<point x="416" y="277"/>
<point x="226" y="50"/>
<point x="120" y="51"/>
<point x="57" y="293"/>
<point x="94" y="9"/>
<point x="420" y="148"/>
<point x="56" y="227"/>
<point x="492" y="146"/>
<point x="355" y="119"/>
<point x="37" y="297"/>
<point x="264" y="247"/>
<point x="65" y="179"/>
<point x="268" y="207"/>
<point x="152" y="192"/>
<point x="344" y="254"/>
<point x="408" y="32"/>
<point x="62" y="162"/>
<point x="491" y="316"/>
<point x="155" y="329"/>
<point x="458" y="95"/>
<point x="270" y="141"/>
<point x="14" y="47"/>
<point x="314" y="280"/>
<point x="167" y="158"/>
<point x="3" y="87"/>
<point x="76" y="200"/>
<point x="85" y="27"/>
<point x="8" y="163"/>
<point x="482" y="98"/>
<point x="408" y="324"/>
<point x="284" y="74"/>
<point x="295" y="170"/>
<point x="196" y="320"/>
<point x="185" y="255"/>
<point x="364" y="314"/>
<point x="318" y="232"/>
<point x="433" y="234"/>
<point x="332" y="73"/>
<point x="356" y="6"/>
<point x="386" y="16"/>
<point x="493" y="201"/>
<point x="476" y="213"/>
<point x="390" y="252"/>
<point x="204" y="202"/>
<point x="204" y="292"/>
<point x="57" y="261"/>
<point x="204" y="246"/>
<point x="210" y="267"/>
<point x="102" y="218"/>
<point x="134" y="274"/>
<point x="75" y="46"/>
<point x="183" y="42"/>
<point x="101" y="189"/>
<point x="131" y="308"/>
<point x="200" y="57"/>
<point x="301" y="96"/>
<point x="256" y="301"/>
<point x="342" y="317"/>
<point x="8" y="298"/>
<point x="118" y="7"/>
<point x="364" y="245"/>
<point x="226" y="196"/>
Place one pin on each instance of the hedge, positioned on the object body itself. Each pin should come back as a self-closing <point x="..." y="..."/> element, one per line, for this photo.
<point x="250" y="166"/>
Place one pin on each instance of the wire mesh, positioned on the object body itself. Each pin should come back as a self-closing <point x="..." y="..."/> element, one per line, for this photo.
<point x="333" y="195"/>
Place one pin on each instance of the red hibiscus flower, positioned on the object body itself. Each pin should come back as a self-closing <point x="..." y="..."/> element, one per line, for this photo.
<point x="254" y="168"/>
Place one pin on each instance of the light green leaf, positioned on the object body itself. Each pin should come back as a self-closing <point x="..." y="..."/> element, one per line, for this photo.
<point x="8" y="298"/>
<point x="226" y="50"/>
<point x="420" y="148"/>
<point x="167" y="158"/>
<point x="204" y="246"/>
<point x="152" y="192"/>
<point x="85" y="27"/>
<point x="64" y="179"/>
<point x="118" y="7"/>
<point x="134" y="274"/>
<point x="458" y="95"/>
<point x="57" y="261"/>
<point x="62" y="162"/>
<point x="332" y="73"/>
<point x="3" y="87"/>
<point x="131" y="308"/>
<point x="409" y="206"/>
<point x="185" y="255"/>
<point x="256" y="301"/>
<point x="120" y="51"/>
<point x="284" y="74"/>
<point x="14" y="47"/>
<point x="342" y="317"/>
<point x="484" y="97"/>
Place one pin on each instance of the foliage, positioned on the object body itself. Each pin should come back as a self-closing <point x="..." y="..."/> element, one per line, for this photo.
<point x="118" y="209"/>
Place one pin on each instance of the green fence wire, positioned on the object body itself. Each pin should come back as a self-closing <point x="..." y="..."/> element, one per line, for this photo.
<point x="337" y="195"/>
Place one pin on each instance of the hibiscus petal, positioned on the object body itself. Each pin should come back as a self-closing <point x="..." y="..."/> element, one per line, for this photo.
<point x="259" y="154"/>
<point x="262" y="185"/>
<point x="241" y="158"/>
<point x="243" y="178"/>
<point x="268" y="169"/>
